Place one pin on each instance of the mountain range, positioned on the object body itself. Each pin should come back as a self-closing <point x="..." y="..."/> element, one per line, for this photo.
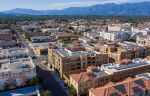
<point x="126" y="9"/>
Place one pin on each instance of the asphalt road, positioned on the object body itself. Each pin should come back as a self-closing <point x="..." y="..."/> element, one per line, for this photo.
<point x="49" y="82"/>
<point x="25" y="43"/>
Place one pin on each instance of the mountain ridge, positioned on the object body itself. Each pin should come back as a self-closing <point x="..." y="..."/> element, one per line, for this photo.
<point x="126" y="9"/>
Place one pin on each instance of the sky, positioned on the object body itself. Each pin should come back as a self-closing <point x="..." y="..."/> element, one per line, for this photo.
<point x="55" y="4"/>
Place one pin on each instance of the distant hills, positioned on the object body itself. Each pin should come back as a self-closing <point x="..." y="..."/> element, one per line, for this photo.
<point x="126" y="9"/>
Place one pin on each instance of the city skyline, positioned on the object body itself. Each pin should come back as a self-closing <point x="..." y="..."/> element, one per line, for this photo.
<point x="56" y="4"/>
<point x="75" y="47"/>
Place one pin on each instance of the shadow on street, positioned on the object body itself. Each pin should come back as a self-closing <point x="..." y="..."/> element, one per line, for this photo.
<point x="49" y="83"/>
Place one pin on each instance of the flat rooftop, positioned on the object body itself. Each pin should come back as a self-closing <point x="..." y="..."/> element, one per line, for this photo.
<point x="16" y="64"/>
<point x="129" y="45"/>
<point x="41" y="45"/>
<point x="67" y="53"/>
<point x="39" y="37"/>
<point x="145" y="76"/>
<point x="7" y="42"/>
<point x="112" y="68"/>
<point x="13" y="52"/>
<point x="5" y="31"/>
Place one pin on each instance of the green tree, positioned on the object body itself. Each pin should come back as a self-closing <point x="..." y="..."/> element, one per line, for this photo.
<point x="72" y="91"/>
<point x="46" y="93"/>
<point x="34" y="81"/>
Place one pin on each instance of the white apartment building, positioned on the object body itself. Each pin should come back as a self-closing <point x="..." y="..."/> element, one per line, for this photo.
<point x="114" y="27"/>
<point x="115" y="35"/>
<point x="143" y="40"/>
<point x="50" y="30"/>
<point x="15" y="72"/>
<point x="13" y="53"/>
<point x="118" y="68"/>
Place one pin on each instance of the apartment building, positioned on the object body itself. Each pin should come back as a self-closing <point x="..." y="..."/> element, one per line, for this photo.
<point x="13" y="53"/>
<point x="115" y="35"/>
<point x="40" y="44"/>
<point x="40" y="48"/>
<point x="66" y="61"/>
<point x="143" y="40"/>
<point x="66" y="37"/>
<point x="93" y="34"/>
<point x="120" y="27"/>
<point x="8" y="44"/>
<point x="40" y="39"/>
<point x="6" y="34"/>
<point x="99" y="76"/>
<point x="86" y="79"/>
<point x="131" y="68"/>
<point x="16" y="72"/>
<point x="122" y="50"/>
<point x="138" y="86"/>
<point x="7" y="39"/>
<point x="114" y="27"/>
<point x="50" y="30"/>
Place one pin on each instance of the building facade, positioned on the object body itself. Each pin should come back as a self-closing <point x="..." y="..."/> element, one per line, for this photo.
<point x="66" y="61"/>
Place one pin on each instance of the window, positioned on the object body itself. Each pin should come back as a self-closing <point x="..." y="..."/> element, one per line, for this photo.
<point x="121" y="88"/>
<point x="78" y="64"/>
<point x="93" y="62"/>
<point x="114" y="94"/>
<point x="138" y="91"/>
<point x="140" y="83"/>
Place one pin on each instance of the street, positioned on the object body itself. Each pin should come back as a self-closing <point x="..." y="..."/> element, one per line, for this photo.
<point x="49" y="82"/>
<point x="48" y="79"/>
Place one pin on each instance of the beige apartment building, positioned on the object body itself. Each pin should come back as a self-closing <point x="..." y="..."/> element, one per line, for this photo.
<point x="67" y="62"/>
<point x="120" y="51"/>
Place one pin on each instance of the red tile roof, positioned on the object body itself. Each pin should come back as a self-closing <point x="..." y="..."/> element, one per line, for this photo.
<point x="130" y="86"/>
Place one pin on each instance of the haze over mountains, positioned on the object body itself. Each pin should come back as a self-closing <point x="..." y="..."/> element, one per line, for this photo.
<point x="126" y="9"/>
